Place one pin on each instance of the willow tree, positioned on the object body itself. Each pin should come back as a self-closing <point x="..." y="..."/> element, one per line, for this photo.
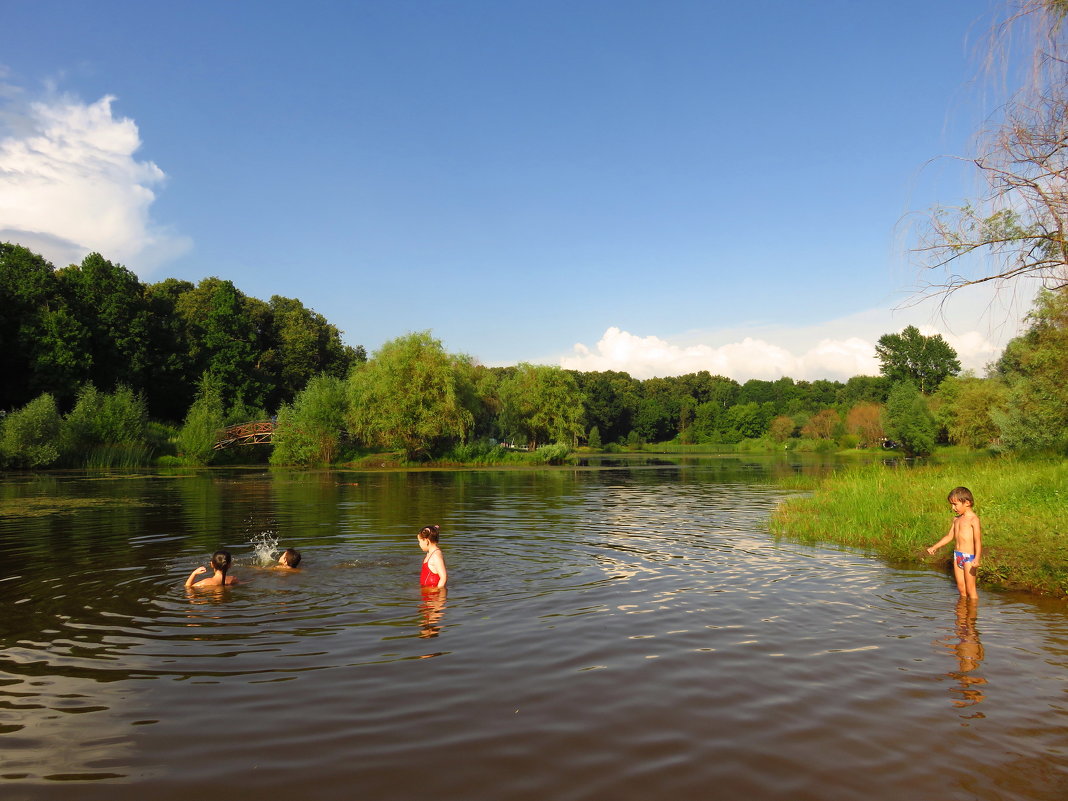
<point x="1019" y="223"/>
<point x="412" y="396"/>
<point x="542" y="404"/>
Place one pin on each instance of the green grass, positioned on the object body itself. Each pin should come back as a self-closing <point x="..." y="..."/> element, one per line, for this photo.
<point x="899" y="511"/>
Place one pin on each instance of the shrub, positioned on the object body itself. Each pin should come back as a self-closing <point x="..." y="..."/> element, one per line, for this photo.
<point x="30" y="436"/>
<point x="309" y="431"/>
<point x="196" y="440"/>
<point x="556" y="453"/>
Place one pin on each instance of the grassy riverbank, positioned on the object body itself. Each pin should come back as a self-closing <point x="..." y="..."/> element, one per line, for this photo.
<point x="897" y="512"/>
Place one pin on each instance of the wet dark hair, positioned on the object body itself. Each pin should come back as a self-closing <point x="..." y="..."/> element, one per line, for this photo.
<point x="220" y="562"/>
<point x="292" y="556"/>
<point x="961" y="494"/>
<point x="430" y="533"/>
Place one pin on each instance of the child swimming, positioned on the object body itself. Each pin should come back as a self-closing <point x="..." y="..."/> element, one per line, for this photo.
<point x="968" y="541"/>
<point x="220" y="563"/>
<point x="434" y="574"/>
<point x="290" y="558"/>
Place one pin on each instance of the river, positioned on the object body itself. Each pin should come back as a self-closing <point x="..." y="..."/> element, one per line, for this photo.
<point x="617" y="632"/>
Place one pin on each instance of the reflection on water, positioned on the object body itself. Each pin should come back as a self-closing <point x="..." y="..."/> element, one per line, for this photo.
<point x="965" y="645"/>
<point x="433" y="610"/>
<point x="614" y="632"/>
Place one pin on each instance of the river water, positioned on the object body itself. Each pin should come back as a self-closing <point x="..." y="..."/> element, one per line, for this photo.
<point x="626" y="632"/>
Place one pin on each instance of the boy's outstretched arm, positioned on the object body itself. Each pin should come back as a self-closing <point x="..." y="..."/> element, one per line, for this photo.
<point x="941" y="542"/>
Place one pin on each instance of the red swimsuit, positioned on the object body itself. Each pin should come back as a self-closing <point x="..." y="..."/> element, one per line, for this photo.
<point x="428" y="578"/>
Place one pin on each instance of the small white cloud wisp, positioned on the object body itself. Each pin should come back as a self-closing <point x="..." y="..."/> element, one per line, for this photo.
<point x="70" y="185"/>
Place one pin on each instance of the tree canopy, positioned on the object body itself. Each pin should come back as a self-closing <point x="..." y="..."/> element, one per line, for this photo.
<point x="412" y="396"/>
<point x="910" y="356"/>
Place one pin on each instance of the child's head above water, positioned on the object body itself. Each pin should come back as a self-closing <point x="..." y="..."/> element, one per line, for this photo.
<point x="961" y="494"/>
<point x="429" y="533"/>
<point x="220" y="560"/>
<point x="290" y="558"/>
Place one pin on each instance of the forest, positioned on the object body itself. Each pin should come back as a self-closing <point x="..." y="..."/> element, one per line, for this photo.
<point x="100" y="368"/>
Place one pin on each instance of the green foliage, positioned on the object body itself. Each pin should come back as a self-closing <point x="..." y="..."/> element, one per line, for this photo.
<point x="1035" y="367"/>
<point x="557" y="453"/>
<point x="301" y="344"/>
<point x="909" y="421"/>
<point x="102" y="420"/>
<point x="309" y="431"/>
<point x="541" y="404"/>
<point x="967" y="407"/>
<point x="412" y="395"/>
<point x="109" y="302"/>
<point x="911" y="356"/>
<point x="197" y="437"/>
<point x="480" y="451"/>
<point x="594" y="438"/>
<point x="223" y="335"/>
<point x="29" y="437"/>
<point x="611" y="401"/>
<point x="781" y="428"/>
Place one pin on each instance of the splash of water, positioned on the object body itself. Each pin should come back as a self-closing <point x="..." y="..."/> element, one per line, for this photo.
<point x="264" y="548"/>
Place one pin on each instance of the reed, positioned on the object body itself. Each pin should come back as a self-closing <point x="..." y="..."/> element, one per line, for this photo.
<point x="122" y="456"/>
<point x="898" y="511"/>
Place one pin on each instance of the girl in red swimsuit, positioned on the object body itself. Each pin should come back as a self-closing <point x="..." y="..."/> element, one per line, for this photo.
<point x="434" y="573"/>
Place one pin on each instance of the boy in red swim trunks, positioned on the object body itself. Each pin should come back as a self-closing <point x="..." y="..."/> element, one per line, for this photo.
<point x="968" y="541"/>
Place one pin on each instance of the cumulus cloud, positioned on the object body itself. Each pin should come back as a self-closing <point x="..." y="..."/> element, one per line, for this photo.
<point x="70" y="184"/>
<point x="836" y="349"/>
<point x="752" y="357"/>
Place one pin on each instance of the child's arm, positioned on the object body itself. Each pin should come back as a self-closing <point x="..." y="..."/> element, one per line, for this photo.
<point x="941" y="542"/>
<point x="977" y="541"/>
<point x="192" y="576"/>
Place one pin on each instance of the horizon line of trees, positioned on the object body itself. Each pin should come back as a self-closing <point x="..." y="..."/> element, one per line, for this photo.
<point x="97" y="323"/>
<point x="222" y="357"/>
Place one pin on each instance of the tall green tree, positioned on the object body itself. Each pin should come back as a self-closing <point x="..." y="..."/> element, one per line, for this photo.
<point x="923" y="360"/>
<point x="172" y="383"/>
<point x="967" y="407"/>
<point x="223" y="340"/>
<point x="300" y="344"/>
<point x="542" y="404"/>
<point x="109" y="302"/>
<point x="1035" y="369"/>
<point x="27" y="286"/>
<point x="611" y="402"/>
<point x="411" y="395"/>
<point x="909" y="421"/>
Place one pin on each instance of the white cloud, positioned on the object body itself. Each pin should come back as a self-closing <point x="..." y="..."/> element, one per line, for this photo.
<point x="69" y="185"/>
<point x="752" y="357"/>
<point x="977" y="326"/>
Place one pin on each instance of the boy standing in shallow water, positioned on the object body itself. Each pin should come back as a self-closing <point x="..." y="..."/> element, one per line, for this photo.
<point x="968" y="541"/>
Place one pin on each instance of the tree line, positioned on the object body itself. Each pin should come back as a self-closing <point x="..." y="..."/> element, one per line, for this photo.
<point x="105" y="367"/>
<point x="97" y="323"/>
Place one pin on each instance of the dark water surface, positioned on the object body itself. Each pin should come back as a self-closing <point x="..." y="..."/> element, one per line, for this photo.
<point x="623" y="633"/>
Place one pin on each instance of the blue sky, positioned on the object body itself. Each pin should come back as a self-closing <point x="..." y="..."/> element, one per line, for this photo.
<point x="656" y="187"/>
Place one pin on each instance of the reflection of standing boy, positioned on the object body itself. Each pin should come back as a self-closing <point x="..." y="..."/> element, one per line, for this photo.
<point x="968" y="541"/>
